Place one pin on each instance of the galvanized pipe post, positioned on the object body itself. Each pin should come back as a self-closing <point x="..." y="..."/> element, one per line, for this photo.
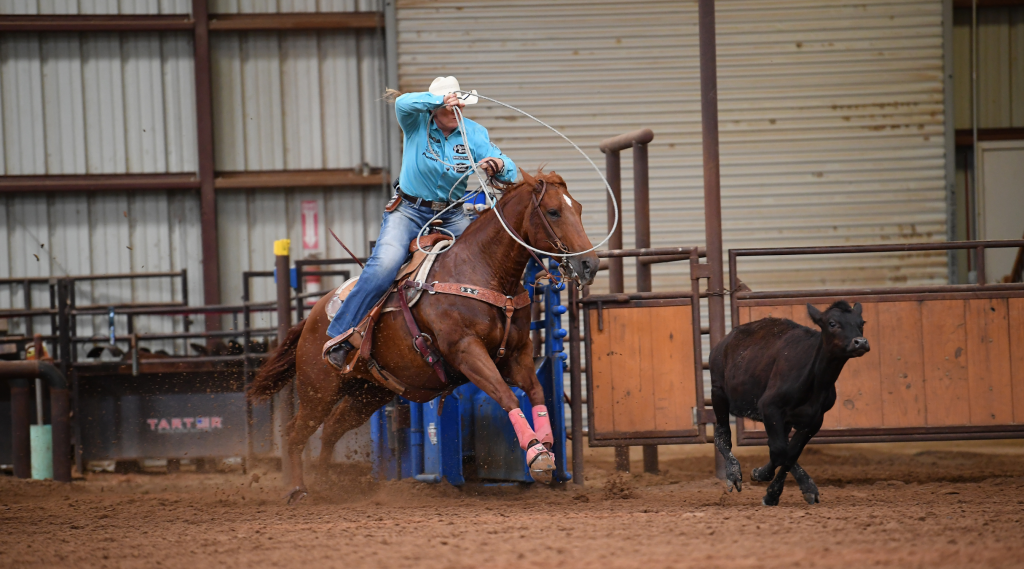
<point x="616" y="277"/>
<point x="575" y="386"/>
<point x="642" y="221"/>
<point x="286" y="398"/>
<point x="712" y="179"/>
<point x="616" y="281"/>
<point x="613" y="173"/>
<point x="20" y="421"/>
<point x="204" y="140"/>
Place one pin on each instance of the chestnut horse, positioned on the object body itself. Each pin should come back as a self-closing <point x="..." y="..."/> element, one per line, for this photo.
<point x="466" y="331"/>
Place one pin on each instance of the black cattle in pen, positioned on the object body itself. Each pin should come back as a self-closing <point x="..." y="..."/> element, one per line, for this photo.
<point x="782" y="374"/>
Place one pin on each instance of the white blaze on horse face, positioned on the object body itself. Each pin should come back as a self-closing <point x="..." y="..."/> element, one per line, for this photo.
<point x="567" y="200"/>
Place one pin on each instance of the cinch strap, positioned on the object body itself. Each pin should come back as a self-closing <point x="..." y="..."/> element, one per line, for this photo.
<point x="508" y="303"/>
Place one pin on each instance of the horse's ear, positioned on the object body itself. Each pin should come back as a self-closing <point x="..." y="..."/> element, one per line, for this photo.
<point x="815" y="314"/>
<point x="528" y="179"/>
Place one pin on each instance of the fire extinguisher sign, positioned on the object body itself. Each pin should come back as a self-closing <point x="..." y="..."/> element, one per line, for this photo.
<point x="310" y="224"/>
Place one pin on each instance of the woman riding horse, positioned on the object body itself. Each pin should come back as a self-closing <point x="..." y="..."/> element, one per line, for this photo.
<point x="433" y="165"/>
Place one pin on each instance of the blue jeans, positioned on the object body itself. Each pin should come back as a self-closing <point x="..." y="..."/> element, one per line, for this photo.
<point x="397" y="229"/>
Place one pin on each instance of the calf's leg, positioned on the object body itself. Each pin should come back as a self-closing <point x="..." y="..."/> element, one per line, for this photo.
<point x="784" y="454"/>
<point x="807" y="486"/>
<point x="723" y="441"/>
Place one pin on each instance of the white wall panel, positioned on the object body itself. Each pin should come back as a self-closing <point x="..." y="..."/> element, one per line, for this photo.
<point x="250" y="222"/>
<point x="339" y="64"/>
<point x="831" y="117"/>
<point x="179" y="103"/>
<point x="97" y="103"/>
<point x="95" y="7"/>
<point x="285" y="6"/>
<point x="300" y="74"/>
<point x="298" y="101"/>
<point x="106" y="152"/>
<point x="143" y="98"/>
<point x="22" y="85"/>
<point x="261" y="102"/>
<point x="63" y="111"/>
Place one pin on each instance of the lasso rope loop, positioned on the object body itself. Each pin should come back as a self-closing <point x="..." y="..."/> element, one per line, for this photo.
<point x="489" y="192"/>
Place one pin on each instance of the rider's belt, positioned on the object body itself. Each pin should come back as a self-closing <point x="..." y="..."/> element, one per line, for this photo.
<point x="436" y="206"/>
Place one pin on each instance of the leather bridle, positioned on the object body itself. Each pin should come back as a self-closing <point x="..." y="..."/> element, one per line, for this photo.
<point x="564" y="266"/>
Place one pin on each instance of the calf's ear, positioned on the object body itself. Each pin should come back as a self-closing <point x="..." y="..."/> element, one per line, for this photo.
<point x="815" y="314"/>
<point x="857" y="308"/>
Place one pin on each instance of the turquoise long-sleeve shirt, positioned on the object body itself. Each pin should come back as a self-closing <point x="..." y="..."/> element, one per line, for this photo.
<point x="423" y="175"/>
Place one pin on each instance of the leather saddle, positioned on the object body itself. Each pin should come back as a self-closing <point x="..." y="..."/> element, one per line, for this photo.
<point x="420" y="262"/>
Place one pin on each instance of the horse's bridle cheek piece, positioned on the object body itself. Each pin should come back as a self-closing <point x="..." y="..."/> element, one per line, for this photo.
<point x="564" y="266"/>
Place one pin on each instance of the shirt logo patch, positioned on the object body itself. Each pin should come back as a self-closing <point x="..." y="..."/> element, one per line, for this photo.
<point x="434" y="139"/>
<point x="460" y="148"/>
<point x="461" y="168"/>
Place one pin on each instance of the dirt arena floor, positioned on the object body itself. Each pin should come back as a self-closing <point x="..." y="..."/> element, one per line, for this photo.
<point x="921" y="505"/>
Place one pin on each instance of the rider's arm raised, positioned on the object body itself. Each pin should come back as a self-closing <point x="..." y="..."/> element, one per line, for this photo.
<point x="410" y="107"/>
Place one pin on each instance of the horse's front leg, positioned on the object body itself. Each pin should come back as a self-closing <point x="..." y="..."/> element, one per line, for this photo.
<point x="470" y="356"/>
<point x="520" y="370"/>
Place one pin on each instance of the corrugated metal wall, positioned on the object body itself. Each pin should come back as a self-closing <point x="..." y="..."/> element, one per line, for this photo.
<point x="1000" y="67"/>
<point x="250" y="221"/>
<point x="98" y="104"/>
<point x="1000" y="91"/>
<point x="295" y="102"/>
<point x="298" y="101"/>
<point x="125" y="103"/>
<point x="831" y="116"/>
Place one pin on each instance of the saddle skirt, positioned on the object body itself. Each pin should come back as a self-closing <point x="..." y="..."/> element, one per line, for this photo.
<point x="420" y="265"/>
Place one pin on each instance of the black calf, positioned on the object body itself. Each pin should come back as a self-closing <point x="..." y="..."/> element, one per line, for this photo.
<point x="784" y="375"/>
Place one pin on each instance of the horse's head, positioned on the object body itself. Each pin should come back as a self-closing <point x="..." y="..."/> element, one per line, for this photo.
<point x="555" y="224"/>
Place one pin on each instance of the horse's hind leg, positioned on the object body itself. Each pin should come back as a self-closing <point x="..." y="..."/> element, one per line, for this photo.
<point x="354" y="410"/>
<point x="723" y="440"/>
<point x="312" y="412"/>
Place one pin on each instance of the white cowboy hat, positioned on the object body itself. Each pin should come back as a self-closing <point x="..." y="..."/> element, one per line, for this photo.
<point x="444" y="85"/>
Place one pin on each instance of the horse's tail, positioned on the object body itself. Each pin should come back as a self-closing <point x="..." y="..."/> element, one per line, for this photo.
<point x="279" y="368"/>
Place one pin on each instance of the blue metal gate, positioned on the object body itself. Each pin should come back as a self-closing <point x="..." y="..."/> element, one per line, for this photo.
<point x="473" y="439"/>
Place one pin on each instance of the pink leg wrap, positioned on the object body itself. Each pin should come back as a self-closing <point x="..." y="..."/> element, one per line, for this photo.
<point x="533" y="451"/>
<point x="543" y="425"/>
<point x="523" y="431"/>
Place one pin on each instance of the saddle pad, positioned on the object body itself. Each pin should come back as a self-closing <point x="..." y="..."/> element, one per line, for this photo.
<point x="420" y="264"/>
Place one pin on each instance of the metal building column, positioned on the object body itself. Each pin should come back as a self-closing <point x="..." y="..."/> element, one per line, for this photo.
<point x="712" y="179"/>
<point x="204" y="139"/>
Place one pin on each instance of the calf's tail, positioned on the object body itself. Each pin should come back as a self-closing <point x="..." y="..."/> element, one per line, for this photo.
<point x="278" y="369"/>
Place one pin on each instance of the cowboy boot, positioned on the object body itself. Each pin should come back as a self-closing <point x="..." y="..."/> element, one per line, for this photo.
<point x="338" y="354"/>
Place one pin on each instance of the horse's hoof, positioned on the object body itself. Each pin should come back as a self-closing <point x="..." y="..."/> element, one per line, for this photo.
<point x="296" y="495"/>
<point x="542" y="467"/>
<point x="811" y="498"/>
<point x="762" y="474"/>
<point x="769" y="501"/>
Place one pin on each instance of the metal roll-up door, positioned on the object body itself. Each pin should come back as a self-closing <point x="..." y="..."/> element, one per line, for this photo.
<point x="831" y="117"/>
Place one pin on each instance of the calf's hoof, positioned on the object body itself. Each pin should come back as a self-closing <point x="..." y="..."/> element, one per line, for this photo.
<point x="769" y="500"/>
<point x="761" y="475"/>
<point x="812" y="498"/>
<point x="296" y="495"/>
<point x="734" y="476"/>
